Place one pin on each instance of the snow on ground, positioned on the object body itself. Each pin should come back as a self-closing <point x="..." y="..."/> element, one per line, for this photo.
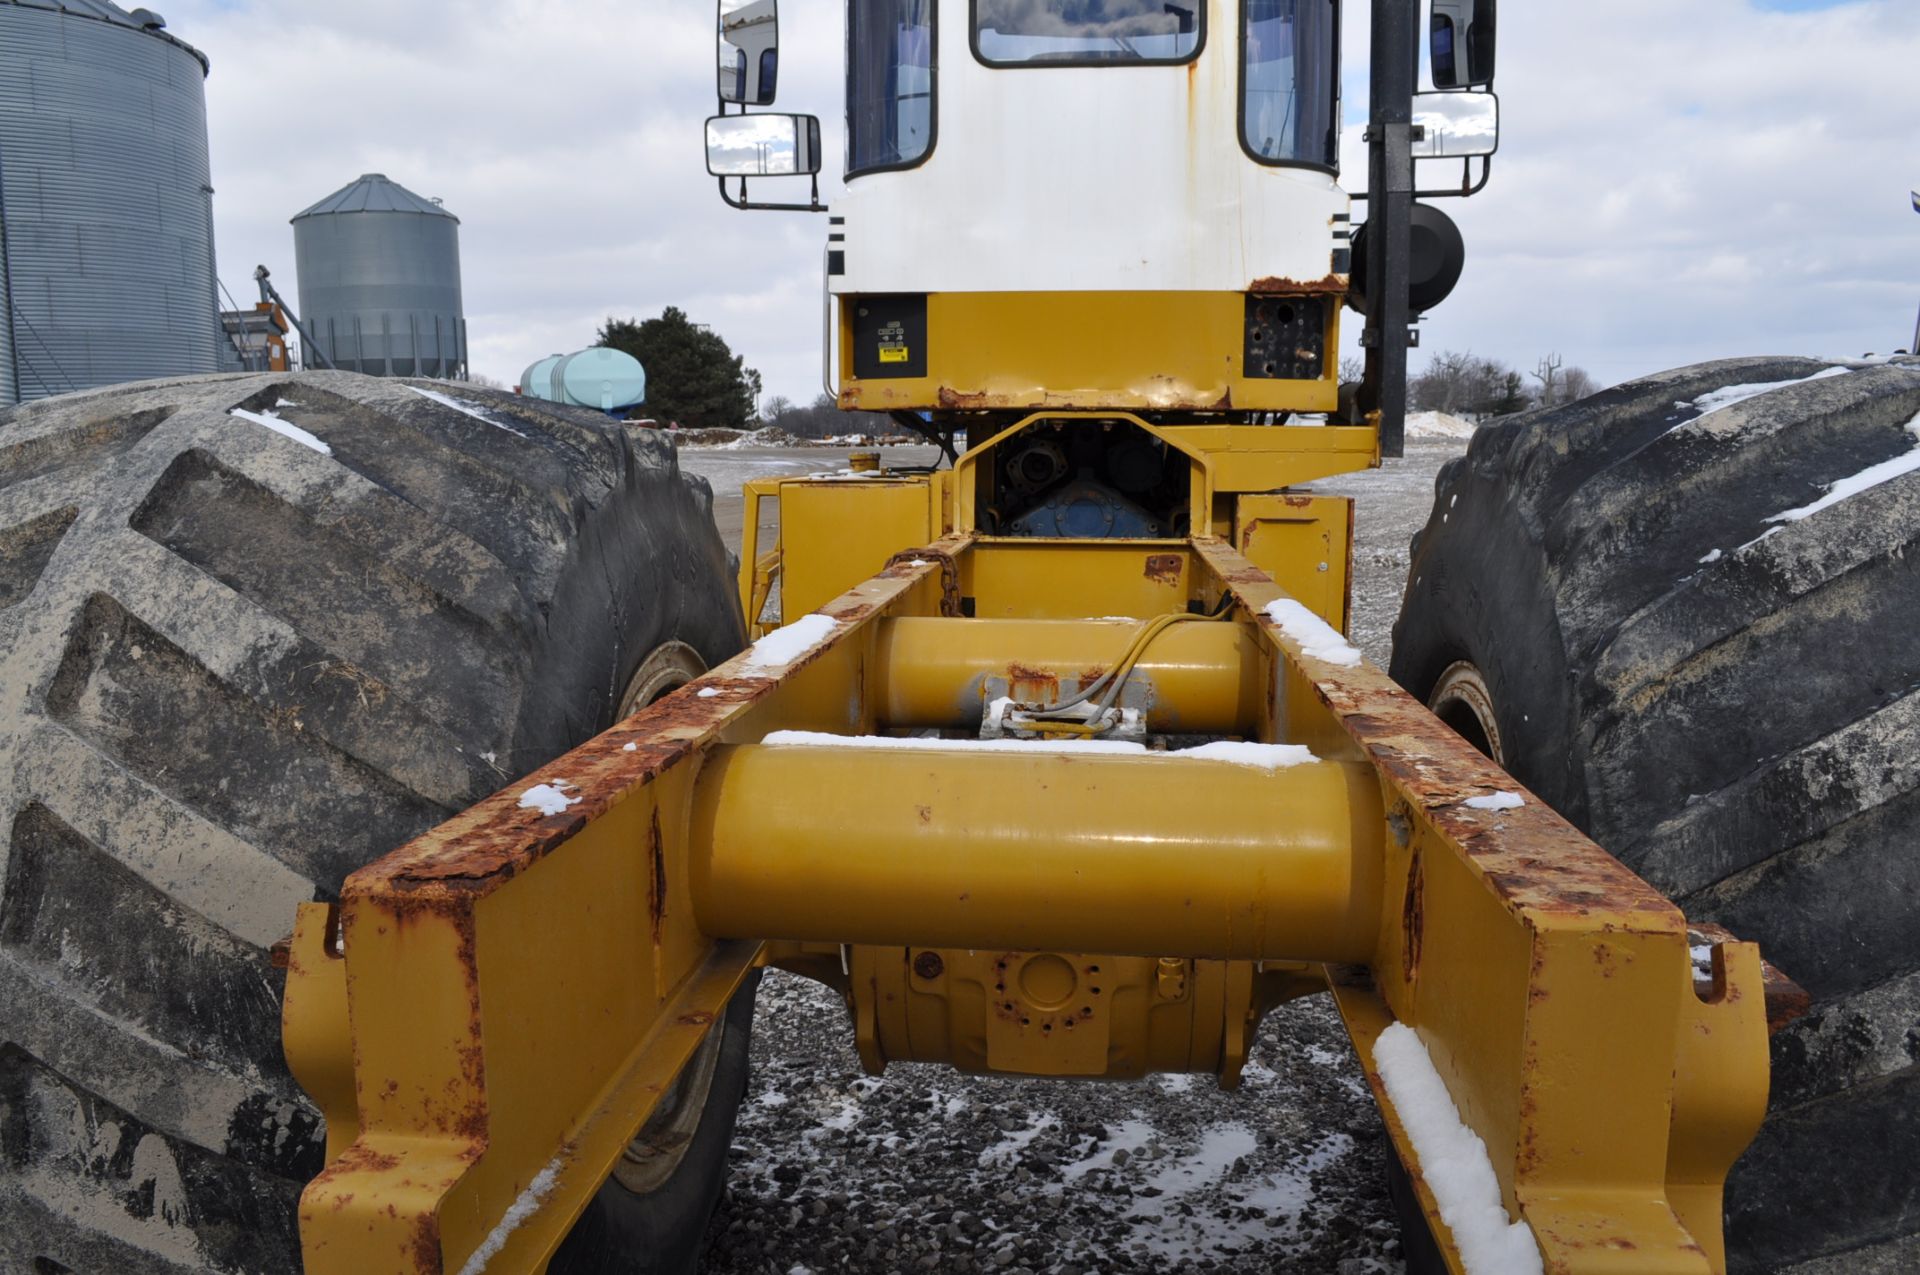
<point x="1438" y="425"/>
<point x="924" y="1169"/>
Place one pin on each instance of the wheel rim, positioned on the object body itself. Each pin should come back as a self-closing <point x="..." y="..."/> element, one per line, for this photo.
<point x="657" y="1150"/>
<point x="667" y="667"/>
<point x="1461" y="699"/>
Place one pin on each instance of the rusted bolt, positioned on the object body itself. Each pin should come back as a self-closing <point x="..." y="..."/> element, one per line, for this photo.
<point x="928" y="965"/>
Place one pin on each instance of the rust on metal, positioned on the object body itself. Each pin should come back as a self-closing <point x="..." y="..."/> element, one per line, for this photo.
<point x="1279" y="286"/>
<point x="1534" y="858"/>
<point x="1179" y="398"/>
<point x="955" y="400"/>
<point x="493" y="840"/>
<point x="657" y="877"/>
<point x="929" y="966"/>
<point x="1029" y="685"/>
<point x="949" y="575"/>
<point x="1786" y="999"/>
<point x="1412" y="917"/>
<point x="424" y="1247"/>
<point x="1163" y="568"/>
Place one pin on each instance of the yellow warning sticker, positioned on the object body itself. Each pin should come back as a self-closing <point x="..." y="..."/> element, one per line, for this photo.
<point x="893" y="354"/>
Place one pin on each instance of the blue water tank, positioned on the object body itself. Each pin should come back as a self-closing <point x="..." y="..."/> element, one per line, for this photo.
<point x="605" y="379"/>
<point x="537" y="380"/>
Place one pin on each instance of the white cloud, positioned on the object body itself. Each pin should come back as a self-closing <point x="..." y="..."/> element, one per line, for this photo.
<point x="1683" y="182"/>
<point x="1674" y="182"/>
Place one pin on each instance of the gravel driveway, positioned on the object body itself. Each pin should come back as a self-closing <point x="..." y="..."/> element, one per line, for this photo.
<point x="924" y="1169"/>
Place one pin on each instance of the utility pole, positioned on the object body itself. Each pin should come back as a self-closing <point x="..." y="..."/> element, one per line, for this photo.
<point x="1915" y="347"/>
<point x="1396" y="59"/>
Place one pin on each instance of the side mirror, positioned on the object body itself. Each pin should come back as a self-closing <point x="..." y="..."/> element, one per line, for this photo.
<point x="1457" y="125"/>
<point x="749" y="51"/>
<point x="1462" y="39"/>
<point x="763" y="145"/>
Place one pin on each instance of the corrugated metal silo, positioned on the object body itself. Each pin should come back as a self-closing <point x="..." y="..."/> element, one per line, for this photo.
<point x="106" y="211"/>
<point x="380" y="281"/>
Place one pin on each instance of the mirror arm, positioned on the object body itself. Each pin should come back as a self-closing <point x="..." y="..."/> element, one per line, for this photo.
<point x="1465" y="191"/>
<point x="742" y="203"/>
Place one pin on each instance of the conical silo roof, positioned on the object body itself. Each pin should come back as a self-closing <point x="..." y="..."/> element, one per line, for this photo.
<point x="374" y="192"/>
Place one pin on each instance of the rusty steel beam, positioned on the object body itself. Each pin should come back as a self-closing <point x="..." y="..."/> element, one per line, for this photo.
<point x="513" y="991"/>
<point x="1551" y="987"/>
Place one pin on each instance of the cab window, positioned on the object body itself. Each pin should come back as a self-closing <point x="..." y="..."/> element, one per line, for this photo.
<point x="890" y="80"/>
<point x="1290" y="82"/>
<point x="1051" y="32"/>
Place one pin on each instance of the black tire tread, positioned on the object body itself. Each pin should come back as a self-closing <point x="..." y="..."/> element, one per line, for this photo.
<point x="233" y="669"/>
<point x="1729" y="705"/>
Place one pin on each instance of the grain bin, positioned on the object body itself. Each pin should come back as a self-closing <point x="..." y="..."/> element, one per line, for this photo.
<point x="106" y="215"/>
<point x="380" y="281"/>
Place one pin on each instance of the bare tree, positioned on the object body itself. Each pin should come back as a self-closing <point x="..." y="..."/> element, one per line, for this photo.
<point x="1353" y="369"/>
<point x="1445" y="384"/>
<point x="1548" y="374"/>
<point x="1575" y="384"/>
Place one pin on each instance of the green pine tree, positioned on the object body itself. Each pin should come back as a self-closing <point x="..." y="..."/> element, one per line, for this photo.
<point x="693" y="378"/>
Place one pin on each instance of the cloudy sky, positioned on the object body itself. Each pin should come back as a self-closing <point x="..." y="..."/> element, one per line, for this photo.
<point x="1676" y="181"/>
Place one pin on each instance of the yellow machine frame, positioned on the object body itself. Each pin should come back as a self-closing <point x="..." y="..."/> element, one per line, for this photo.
<point x="1159" y="351"/>
<point x="491" y="1012"/>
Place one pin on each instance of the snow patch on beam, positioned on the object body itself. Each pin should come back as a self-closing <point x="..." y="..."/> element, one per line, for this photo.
<point x="1453" y="1160"/>
<point x="523" y="1208"/>
<point x="1229" y="752"/>
<point x="1316" y="638"/>
<point x="785" y="645"/>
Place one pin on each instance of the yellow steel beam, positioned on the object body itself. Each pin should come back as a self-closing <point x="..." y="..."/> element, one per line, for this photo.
<point x="521" y="986"/>
<point x="1195" y="679"/>
<point x="1551" y="987"/>
<point x="1065" y="849"/>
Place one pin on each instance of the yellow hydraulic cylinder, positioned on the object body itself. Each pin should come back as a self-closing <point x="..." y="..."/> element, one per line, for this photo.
<point x="1200" y="678"/>
<point x="965" y="846"/>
